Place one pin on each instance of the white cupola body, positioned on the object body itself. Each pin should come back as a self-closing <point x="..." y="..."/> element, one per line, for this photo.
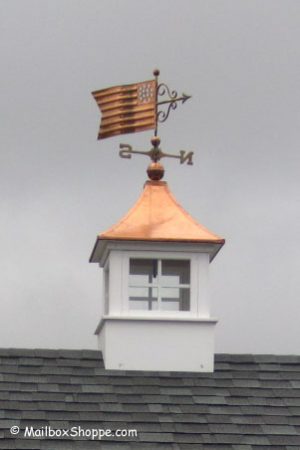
<point x="155" y="306"/>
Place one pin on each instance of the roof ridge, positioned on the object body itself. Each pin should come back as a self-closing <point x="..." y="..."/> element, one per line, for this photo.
<point x="95" y="354"/>
<point x="51" y="353"/>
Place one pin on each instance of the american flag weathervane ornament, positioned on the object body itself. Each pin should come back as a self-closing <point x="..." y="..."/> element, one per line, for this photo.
<point x="135" y="107"/>
<point x="126" y="109"/>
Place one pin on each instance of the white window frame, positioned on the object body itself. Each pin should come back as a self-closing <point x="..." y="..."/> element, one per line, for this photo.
<point x="159" y="256"/>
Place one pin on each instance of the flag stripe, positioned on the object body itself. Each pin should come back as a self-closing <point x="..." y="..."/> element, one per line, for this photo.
<point x="126" y="124"/>
<point x="126" y="118"/>
<point x="121" y="94"/>
<point x="114" y="91"/>
<point x="125" y="87"/>
<point x="127" y="106"/>
<point x="125" y="111"/>
<point x="123" y="130"/>
<point x="133" y="97"/>
<point x="117" y="97"/>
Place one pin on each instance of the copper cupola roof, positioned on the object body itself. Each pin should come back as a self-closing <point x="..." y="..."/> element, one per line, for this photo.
<point x="158" y="217"/>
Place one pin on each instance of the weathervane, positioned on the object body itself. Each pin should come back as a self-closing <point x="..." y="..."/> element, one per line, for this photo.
<point x="135" y="107"/>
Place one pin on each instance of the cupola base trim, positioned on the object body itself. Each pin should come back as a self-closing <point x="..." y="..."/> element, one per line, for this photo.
<point x="158" y="344"/>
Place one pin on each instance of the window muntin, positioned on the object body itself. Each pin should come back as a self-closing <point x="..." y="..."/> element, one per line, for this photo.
<point x="143" y="298"/>
<point x="159" y="284"/>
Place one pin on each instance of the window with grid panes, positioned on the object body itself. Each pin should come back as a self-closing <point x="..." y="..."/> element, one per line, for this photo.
<point x="159" y="284"/>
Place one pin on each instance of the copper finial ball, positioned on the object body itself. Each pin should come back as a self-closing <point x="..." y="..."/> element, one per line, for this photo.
<point x="155" y="141"/>
<point x="155" y="171"/>
<point x="156" y="72"/>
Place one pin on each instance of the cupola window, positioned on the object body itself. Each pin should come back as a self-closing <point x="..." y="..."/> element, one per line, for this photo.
<point x="159" y="284"/>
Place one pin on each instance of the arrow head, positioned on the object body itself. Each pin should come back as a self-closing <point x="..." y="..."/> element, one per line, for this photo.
<point x="185" y="97"/>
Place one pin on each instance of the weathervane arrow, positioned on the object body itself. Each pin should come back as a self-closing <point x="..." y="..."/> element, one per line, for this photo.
<point x="183" y="99"/>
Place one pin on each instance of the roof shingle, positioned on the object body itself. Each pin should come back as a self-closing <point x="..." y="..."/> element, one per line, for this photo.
<point x="249" y="402"/>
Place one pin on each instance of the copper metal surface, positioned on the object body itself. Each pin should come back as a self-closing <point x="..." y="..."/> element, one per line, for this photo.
<point x="155" y="171"/>
<point x="127" y="109"/>
<point x="158" y="217"/>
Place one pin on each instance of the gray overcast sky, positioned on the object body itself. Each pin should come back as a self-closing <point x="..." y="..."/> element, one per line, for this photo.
<point x="60" y="186"/>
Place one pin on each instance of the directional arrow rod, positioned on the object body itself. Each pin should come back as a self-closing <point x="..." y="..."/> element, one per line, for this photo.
<point x="183" y="99"/>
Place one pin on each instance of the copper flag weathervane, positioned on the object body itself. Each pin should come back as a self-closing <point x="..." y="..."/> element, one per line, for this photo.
<point x="135" y="107"/>
<point x="127" y="109"/>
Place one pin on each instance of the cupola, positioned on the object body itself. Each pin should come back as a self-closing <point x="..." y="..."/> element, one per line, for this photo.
<point x="155" y="261"/>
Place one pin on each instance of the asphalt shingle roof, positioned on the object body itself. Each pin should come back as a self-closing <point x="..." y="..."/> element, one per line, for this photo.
<point x="249" y="402"/>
